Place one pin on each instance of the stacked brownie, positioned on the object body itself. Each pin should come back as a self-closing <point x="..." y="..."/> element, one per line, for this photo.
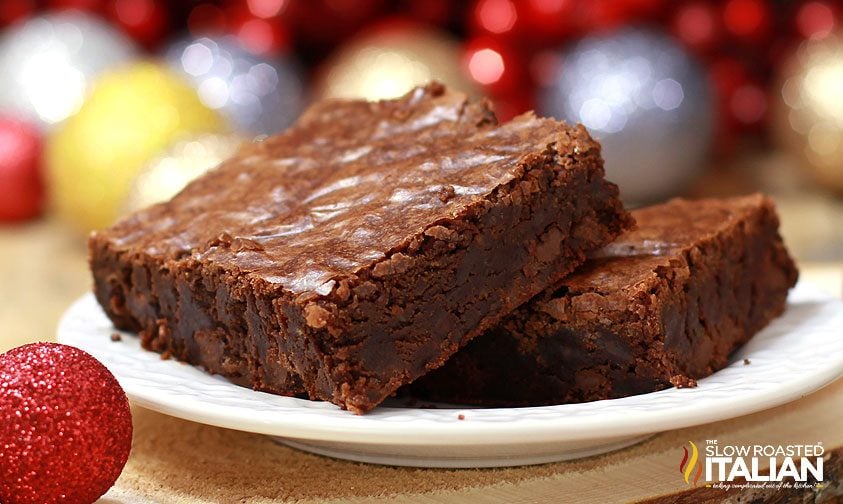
<point x="362" y="248"/>
<point x="665" y="304"/>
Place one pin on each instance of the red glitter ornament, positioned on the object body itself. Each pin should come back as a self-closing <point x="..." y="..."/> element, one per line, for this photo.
<point x="21" y="185"/>
<point x="65" y="426"/>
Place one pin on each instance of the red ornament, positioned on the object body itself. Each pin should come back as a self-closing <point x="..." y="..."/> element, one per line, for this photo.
<point x="65" y="426"/>
<point x="15" y="10"/>
<point x="21" y="186"/>
<point x="146" y="21"/>
<point x="495" y="66"/>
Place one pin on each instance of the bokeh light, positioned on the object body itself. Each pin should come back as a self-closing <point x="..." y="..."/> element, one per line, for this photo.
<point x="70" y="48"/>
<point x="634" y="88"/>
<point x="809" y="118"/>
<point x="258" y="95"/>
<point x="390" y="60"/>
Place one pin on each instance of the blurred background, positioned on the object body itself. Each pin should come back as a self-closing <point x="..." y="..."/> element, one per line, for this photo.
<point x="109" y="105"/>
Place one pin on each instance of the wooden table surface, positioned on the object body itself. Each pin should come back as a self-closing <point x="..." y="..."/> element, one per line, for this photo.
<point x="43" y="268"/>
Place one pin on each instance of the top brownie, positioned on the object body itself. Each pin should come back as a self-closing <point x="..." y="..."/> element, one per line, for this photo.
<point x="360" y="248"/>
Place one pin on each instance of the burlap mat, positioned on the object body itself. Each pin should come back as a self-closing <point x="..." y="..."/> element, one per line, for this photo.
<point x="184" y="462"/>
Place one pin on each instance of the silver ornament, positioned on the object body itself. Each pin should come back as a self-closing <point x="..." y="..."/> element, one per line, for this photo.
<point x="49" y="62"/>
<point x="646" y="100"/>
<point x="258" y="96"/>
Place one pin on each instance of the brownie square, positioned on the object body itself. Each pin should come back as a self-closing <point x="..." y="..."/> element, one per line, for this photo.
<point x="362" y="247"/>
<point x="665" y="304"/>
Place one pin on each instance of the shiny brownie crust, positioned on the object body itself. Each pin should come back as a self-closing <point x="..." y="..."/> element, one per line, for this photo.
<point x="664" y="305"/>
<point x="360" y="249"/>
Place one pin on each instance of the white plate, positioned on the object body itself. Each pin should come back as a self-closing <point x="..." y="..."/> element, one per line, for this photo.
<point x="797" y="354"/>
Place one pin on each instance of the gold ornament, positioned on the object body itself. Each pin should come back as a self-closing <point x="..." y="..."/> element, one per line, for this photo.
<point x="388" y="62"/>
<point x="180" y="163"/>
<point x="808" y="119"/>
<point x="130" y="116"/>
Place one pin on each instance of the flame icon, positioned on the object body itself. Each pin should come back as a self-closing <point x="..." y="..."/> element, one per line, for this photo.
<point x="686" y="467"/>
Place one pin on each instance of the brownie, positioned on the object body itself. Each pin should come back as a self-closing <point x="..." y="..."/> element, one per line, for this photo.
<point x="665" y="304"/>
<point x="362" y="247"/>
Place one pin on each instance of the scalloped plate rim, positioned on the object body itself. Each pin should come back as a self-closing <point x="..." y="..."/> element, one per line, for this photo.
<point x="302" y="419"/>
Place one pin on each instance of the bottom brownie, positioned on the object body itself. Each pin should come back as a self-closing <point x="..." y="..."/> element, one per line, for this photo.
<point x="664" y="305"/>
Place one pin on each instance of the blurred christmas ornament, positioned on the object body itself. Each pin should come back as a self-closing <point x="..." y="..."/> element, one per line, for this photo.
<point x="146" y="21"/>
<point x="131" y="115"/>
<point x="258" y="95"/>
<point x="320" y="24"/>
<point x="21" y="186"/>
<point x="809" y="114"/>
<point x="180" y="163"/>
<point x="389" y="60"/>
<point x="65" y="425"/>
<point x="48" y="63"/>
<point x="646" y="100"/>
<point x="12" y="11"/>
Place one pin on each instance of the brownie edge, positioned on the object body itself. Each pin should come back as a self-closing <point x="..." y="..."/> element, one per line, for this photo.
<point x="362" y="247"/>
<point x="663" y="305"/>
